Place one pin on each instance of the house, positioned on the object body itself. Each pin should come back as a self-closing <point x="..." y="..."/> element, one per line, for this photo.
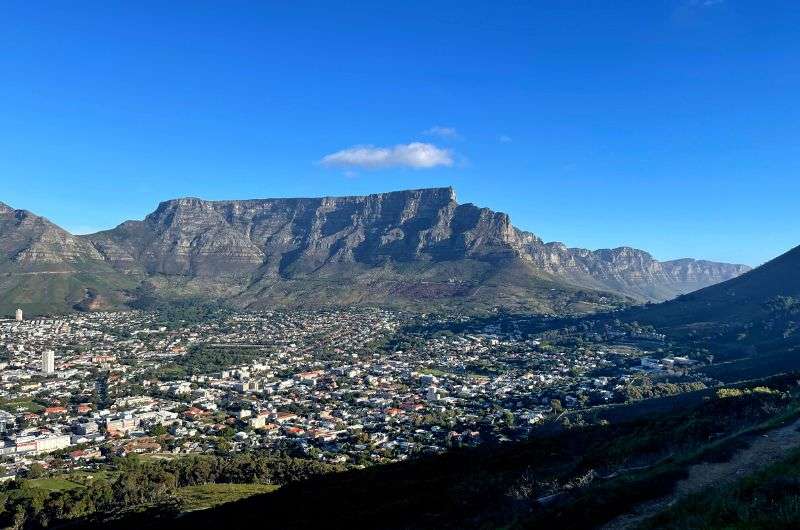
<point x="194" y="413"/>
<point x="243" y="413"/>
<point x="294" y="431"/>
<point x="281" y="417"/>
<point x="84" y="454"/>
<point x="259" y="421"/>
<point x="143" y="445"/>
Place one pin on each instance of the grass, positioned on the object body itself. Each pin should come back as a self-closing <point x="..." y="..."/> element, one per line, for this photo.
<point x="604" y="500"/>
<point x="206" y="496"/>
<point x="768" y="499"/>
<point x="25" y="404"/>
<point x="192" y="498"/>
<point x="434" y="372"/>
<point x="43" y="294"/>
<point x="53" y="484"/>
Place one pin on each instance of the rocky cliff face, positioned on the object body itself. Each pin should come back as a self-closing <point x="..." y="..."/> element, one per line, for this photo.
<point x="45" y="269"/>
<point x="626" y="270"/>
<point x="381" y="248"/>
<point x="301" y="236"/>
<point x="292" y="237"/>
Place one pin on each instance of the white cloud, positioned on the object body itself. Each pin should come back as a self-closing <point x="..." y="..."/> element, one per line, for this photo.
<point x="443" y="132"/>
<point x="416" y="155"/>
<point x="504" y="139"/>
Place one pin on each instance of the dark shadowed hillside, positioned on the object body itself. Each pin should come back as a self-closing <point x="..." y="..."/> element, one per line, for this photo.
<point x="573" y="478"/>
<point x="741" y="298"/>
<point x="751" y="322"/>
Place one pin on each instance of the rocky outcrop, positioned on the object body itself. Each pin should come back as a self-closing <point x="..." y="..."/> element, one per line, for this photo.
<point x="45" y="269"/>
<point x="318" y="236"/>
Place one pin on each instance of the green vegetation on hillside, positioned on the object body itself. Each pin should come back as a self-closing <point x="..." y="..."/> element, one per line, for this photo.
<point x="768" y="499"/>
<point x="50" y="292"/>
<point x="137" y="484"/>
<point x="564" y="477"/>
<point x="205" y="496"/>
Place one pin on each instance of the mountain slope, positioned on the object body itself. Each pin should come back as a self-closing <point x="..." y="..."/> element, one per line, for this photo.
<point x="33" y="243"/>
<point x="751" y="322"/>
<point x="416" y="248"/>
<point x="44" y="268"/>
<point x="740" y="299"/>
<point x="290" y="236"/>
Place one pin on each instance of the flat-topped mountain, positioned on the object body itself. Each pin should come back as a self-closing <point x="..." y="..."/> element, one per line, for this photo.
<point x="399" y="248"/>
<point x="290" y="236"/>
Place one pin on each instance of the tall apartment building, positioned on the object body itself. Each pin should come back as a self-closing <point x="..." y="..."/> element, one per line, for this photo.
<point x="48" y="362"/>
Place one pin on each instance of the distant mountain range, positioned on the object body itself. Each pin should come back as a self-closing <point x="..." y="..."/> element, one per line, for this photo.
<point x="415" y="248"/>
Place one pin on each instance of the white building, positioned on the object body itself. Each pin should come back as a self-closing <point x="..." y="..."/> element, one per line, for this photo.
<point x="18" y="315"/>
<point x="43" y="444"/>
<point x="48" y="362"/>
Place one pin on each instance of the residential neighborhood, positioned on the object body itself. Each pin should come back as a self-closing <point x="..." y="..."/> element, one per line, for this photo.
<point x="347" y="386"/>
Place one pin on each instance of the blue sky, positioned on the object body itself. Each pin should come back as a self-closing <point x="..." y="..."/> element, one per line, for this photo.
<point x="668" y="125"/>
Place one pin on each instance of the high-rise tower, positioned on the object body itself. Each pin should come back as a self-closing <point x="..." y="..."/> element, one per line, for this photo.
<point x="48" y="362"/>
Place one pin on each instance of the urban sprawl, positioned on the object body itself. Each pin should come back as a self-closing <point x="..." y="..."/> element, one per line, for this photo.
<point x="356" y="386"/>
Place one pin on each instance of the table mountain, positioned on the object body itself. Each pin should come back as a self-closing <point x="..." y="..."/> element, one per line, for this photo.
<point x="414" y="247"/>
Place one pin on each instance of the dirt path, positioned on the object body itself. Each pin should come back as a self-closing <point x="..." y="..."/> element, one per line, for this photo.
<point x="764" y="450"/>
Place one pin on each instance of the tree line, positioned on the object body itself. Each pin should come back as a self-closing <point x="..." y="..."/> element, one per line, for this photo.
<point x="134" y="483"/>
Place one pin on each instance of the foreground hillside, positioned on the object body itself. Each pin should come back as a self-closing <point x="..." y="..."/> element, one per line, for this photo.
<point x="738" y="299"/>
<point x="575" y="476"/>
<point x="415" y="249"/>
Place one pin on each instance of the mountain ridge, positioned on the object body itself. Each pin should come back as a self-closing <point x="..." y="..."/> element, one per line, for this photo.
<point x="393" y="246"/>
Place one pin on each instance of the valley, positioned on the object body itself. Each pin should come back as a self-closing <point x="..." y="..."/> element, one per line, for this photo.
<point x="221" y="353"/>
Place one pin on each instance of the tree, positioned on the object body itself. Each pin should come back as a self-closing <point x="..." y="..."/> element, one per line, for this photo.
<point x="35" y="471"/>
<point x="158" y="430"/>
